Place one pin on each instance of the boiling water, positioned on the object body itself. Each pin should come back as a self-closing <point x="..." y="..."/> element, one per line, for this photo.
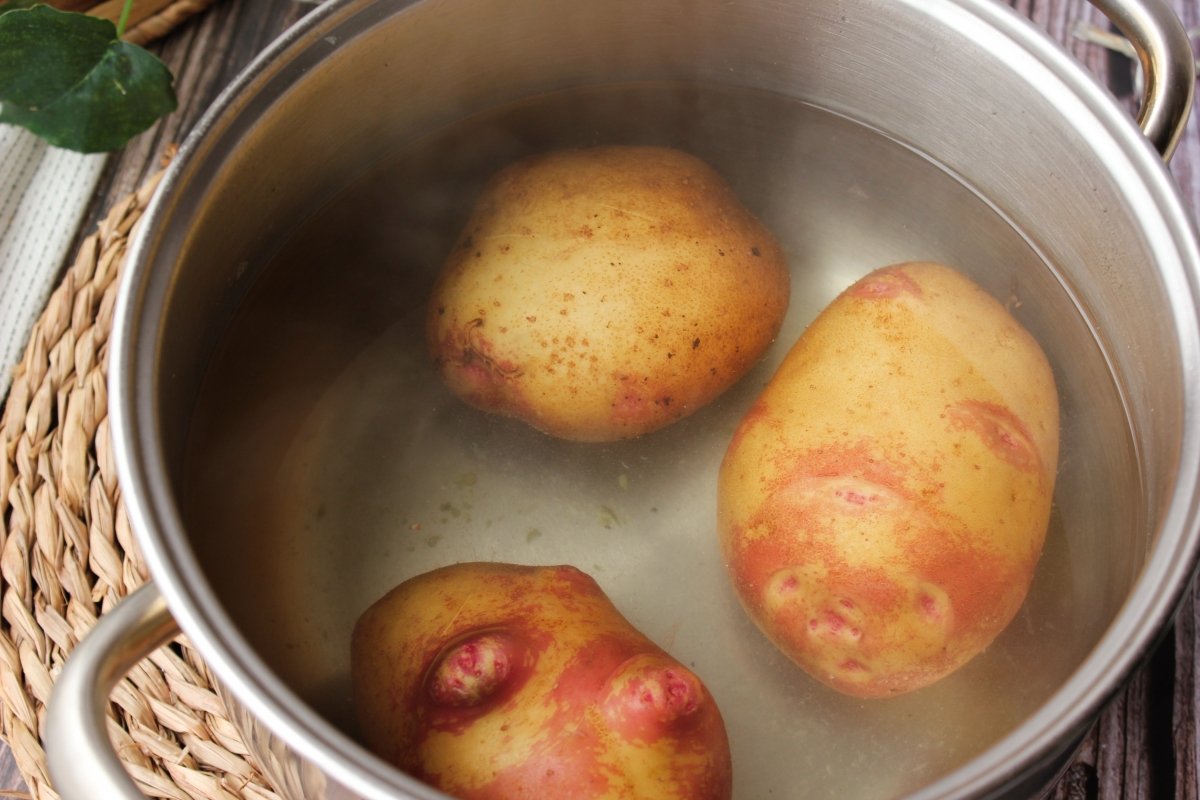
<point x="329" y="463"/>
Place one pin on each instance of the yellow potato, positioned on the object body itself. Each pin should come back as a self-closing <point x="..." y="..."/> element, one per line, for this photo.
<point x="600" y="294"/>
<point x="883" y="504"/>
<point x="494" y="681"/>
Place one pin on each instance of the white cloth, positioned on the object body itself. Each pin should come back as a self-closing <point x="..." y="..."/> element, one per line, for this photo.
<point x="44" y="193"/>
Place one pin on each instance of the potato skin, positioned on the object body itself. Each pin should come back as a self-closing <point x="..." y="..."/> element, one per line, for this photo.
<point x="602" y="293"/>
<point x="504" y="681"/>
<point x="883" y="504"/>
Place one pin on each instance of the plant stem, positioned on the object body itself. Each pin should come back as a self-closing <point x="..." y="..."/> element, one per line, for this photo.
<point x="124" y="18"/>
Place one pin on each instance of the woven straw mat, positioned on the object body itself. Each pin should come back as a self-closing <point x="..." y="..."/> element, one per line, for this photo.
<point x="67" y="554"/>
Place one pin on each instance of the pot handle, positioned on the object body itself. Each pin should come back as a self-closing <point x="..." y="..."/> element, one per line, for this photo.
<point x="83" y="764"/>
<point x="1169" y="67"/>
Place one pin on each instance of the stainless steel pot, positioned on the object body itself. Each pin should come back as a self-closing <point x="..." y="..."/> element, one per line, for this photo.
<point x="862" y="133"/>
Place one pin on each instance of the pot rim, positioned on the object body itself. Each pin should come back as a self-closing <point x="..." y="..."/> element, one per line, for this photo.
<point x="158" y="525"/>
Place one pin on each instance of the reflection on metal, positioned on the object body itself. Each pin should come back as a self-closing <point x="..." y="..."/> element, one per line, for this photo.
<point x="80" y="756"/>
<point x="1156" y="42"/>
<point x="1092" y="33"/>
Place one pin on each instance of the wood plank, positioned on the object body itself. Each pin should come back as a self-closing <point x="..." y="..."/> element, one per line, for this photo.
<point x="12" y="786"/>
<point x="111" y="10"/>
<point x="1186" y="703"/>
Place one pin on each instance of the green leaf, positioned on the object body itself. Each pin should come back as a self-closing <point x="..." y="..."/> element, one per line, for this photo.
<point x="15" y="4"/>
<point x="69" y="79"/>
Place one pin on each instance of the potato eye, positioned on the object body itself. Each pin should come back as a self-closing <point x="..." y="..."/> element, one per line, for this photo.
<point x="471" y="671"/>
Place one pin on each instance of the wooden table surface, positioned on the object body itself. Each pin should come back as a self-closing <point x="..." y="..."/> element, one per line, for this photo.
<point x="1145" y="743"/>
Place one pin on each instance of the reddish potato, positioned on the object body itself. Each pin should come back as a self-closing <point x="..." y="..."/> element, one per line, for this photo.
<point x="503" y="681"/>
<point x="601" y="294"/>
<point x="884" y="503"/>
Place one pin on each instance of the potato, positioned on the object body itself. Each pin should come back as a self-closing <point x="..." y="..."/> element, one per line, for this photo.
<point x="884" y="502"/>
<point x="602" y="293"/>
<point x="504" y="681"/>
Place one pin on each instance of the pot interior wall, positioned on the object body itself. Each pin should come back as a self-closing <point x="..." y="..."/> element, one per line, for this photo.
<point x="324" y="462"/>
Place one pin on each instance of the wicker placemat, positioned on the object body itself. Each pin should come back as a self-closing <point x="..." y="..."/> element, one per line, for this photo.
<point x="67" y="553"/>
